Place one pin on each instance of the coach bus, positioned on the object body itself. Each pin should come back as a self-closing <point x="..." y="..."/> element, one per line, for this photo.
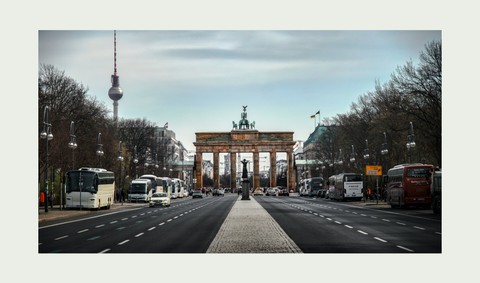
<point x="164" y="184"/>
<point x="153" y="180"/>
<point x="140" y="190"/>
<point x="91" y="188"/>
<point x="409" y="184"/>
<point x="316" y="186"/>
<point x="348" y="186"/>
<point x="304" y="187"/>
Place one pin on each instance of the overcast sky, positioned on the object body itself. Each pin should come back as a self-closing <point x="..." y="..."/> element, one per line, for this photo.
<point x="198" y="81"/>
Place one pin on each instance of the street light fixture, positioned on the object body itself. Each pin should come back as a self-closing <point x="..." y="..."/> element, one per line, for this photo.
<point x="99" y="149"/>
<point x="135" y="160"/>
<point x="352" y="155"/>
<point x="73" y="142"/>
<point x="47" y="135"/>
<point x="410" y="142"/>
<point x="384" y="150"/>
<point x="120" y="159"/>
<point x="366" y="154"/>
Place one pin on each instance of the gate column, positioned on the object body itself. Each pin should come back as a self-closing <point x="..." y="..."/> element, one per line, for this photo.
<point x="216" y="169"/>
<point x="256" y="170"/>
<point x="198" y="174"/>
<point x="273" y="168"/>
<point x="291" y="177"/>
<point x="233" y="171"/>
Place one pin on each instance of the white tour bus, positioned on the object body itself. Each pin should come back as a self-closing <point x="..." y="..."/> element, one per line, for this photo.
<point x="152" y="178"/>
<point x="179" y="187"/>
<point x="140" y="190"/>
<point x="304" y="187"/>
<point x="91" y="188"/>
<point x="348" y="186"/>
<point x="164" y="184"/>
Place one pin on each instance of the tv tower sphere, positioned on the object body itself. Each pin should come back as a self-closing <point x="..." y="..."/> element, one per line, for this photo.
<point x="115" y="92"/>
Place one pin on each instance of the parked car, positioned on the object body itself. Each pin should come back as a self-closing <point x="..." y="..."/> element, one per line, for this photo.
<point x="271" y="192"/>
<point x="218" y="192"/>
<point x="258" y="192"/>
<point x="159" y="199"/>
<point x="197" y="194"/>
<point x="283" y="191"/>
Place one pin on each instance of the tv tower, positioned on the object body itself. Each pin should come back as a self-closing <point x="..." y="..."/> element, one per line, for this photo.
<point x="115" y="92"/>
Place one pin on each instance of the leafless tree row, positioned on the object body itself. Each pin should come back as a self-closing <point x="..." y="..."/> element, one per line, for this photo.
<point x="413" y="94"/>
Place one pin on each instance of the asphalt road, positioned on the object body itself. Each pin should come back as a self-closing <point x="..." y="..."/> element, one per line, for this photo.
<point x="187" y="226"/>
<point x="324" y="226"/>
<point x="190" y="225"/>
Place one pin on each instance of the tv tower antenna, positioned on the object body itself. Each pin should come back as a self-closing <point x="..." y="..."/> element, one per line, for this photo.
<point x="115" y="92"/>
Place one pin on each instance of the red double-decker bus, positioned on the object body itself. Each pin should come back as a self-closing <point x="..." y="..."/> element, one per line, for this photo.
<point x="409" y="184"/>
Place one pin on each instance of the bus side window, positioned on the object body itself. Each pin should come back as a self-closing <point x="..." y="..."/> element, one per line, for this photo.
<point x="95" y="184"/>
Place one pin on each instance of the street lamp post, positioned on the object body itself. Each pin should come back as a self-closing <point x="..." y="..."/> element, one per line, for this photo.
<point x="73" y="142"/>
<point x="410" y="142"/>
<point x="47" y="135"/>
<point x="352" y="156"/>
<point x="120" y="159"/>
<point x="99" y="151"/>
<point x="135" y="160"/>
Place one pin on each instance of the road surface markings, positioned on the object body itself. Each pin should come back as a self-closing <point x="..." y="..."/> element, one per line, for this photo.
<point x="403" y="248"/>
<point x="161" y="224"/>
<point x="121" y="243"/>
<point x="386" y="220"/>
<point x="93" y="238"/>
<point x="123" y="219"/>
<point x="150" y="229"/>
<point x="439" y="233"/>
<point x="62" y="237"/>
<point x="420" y="228"/>
<point x="338" y="222"/>
<point x="329" y="219"/>
<point x="379" y="239"/>
<point x="400" y="223"/>
<point x="362" y="214"/>
<point x="113" y="222"/>
<point x="81" y="231"/>
<point x="361" y="232"/>
<point x="138" y="235"/>
<point x="169" y="220"/>
<point x="104" y="251"/>
<point x="101" y="225"/>
<point x="348" y="226"/>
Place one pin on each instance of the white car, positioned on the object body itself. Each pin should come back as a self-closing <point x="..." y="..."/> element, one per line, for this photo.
<point x="159" y="199"/>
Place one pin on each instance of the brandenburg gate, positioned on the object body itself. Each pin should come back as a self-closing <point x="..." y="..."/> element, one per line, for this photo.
<point x="243" y="138"/>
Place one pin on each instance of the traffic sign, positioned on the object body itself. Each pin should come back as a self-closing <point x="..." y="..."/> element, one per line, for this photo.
<point x="372" y="170"/>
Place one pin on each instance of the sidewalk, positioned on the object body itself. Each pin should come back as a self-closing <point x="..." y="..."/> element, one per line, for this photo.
<point x="57" y="213"/>
<point x="248" y="228"/>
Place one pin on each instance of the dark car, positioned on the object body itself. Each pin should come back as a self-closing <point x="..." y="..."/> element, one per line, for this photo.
<point x="283" y="192"/>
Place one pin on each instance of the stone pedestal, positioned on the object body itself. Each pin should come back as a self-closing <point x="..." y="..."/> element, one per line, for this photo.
<point x="245" y="190"/>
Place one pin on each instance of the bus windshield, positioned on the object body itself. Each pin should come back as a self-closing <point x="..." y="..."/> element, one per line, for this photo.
<point x="84" y="181"/>
<point x="353" y="178"/>
<point x="317" y="183"/>
<point x="417" y="172"/>
<point x="138" y="189"/>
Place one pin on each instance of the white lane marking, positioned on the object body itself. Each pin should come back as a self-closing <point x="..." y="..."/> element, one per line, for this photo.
<point x="380" y="239"/>
<point x="121" y="243"/>
<point x="362" y="214"/>
<point x="338" y="222"/>
<point x="361" y="232"/>
<point x="175" y="217"/>
<point x="123" y="219"/>
<point x="400" y="223"/>
<point x="420" y="228"/>
<point x="104" y="251"/>
<point x="169" y="220"/>
<point x="150" y="229"/>
<point x="138" y="235"/>
<point x="329" y="219"/>
<point x="315" y="213"/>
<point x="403" y="248"/>
<point x="113" y="222"/>
<point x="161" y="224"/>
<point x="374" y="217"/>
<point x="348" y="226"/>
<point x="62" y="237"/>
<point x="101" y="225"/>
<point x="386" y="220"/>
<point x="81" y="231"/>
<point x="439" y="233"/>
